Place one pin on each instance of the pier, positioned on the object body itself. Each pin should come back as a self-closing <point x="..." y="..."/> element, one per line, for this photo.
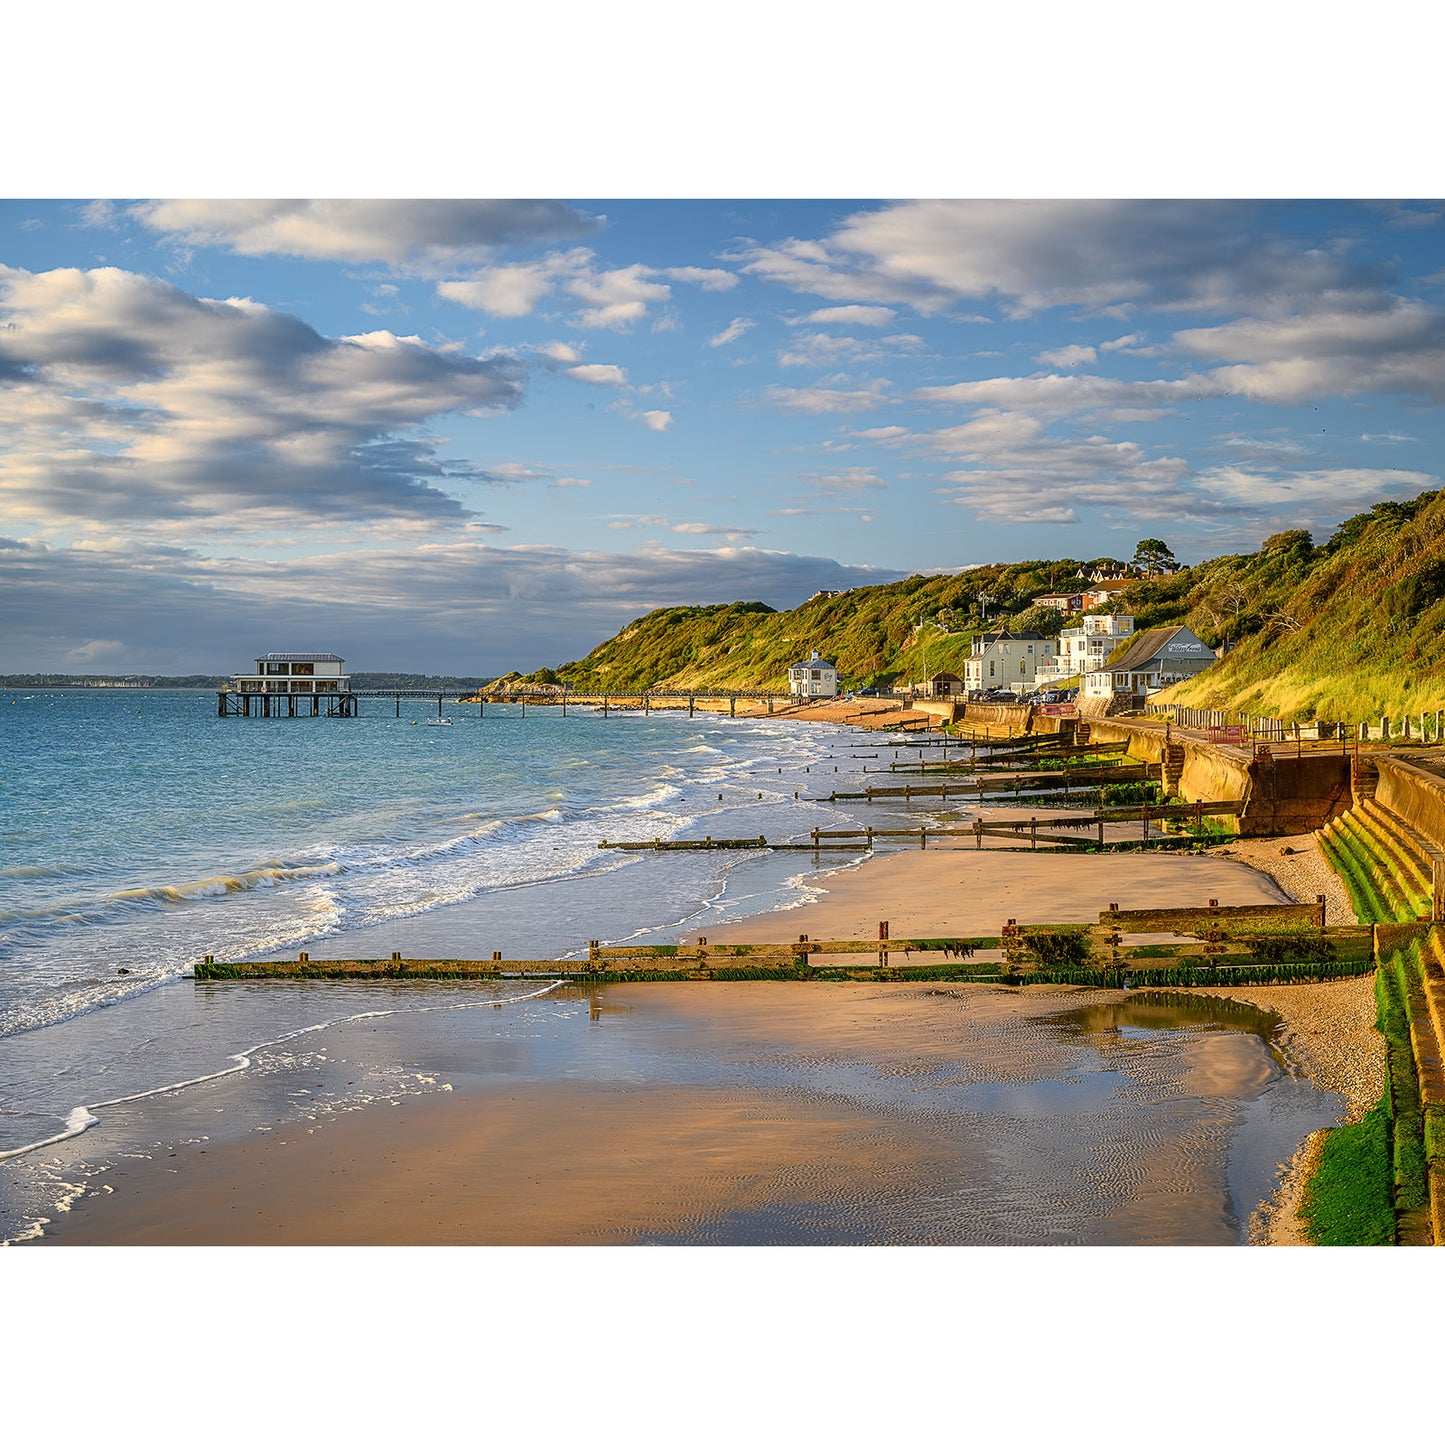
<point x="263" y="696"/>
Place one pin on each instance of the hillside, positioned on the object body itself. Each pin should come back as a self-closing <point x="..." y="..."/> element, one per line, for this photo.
<point x="1346" y="630"/>
<point x="898" y="631"/>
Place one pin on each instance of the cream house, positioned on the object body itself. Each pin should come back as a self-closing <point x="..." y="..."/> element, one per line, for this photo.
<point x="1003" y="659"/>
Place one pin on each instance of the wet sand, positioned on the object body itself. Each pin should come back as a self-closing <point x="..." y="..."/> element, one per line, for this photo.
<point x="864" y="1127"/>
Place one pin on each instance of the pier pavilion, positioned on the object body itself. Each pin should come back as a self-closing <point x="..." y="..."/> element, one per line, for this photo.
<point x="290" y="684"/>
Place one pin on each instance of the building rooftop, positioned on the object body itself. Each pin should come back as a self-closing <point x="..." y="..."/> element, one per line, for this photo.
<point x="299" y="657"/>
<point x="1146" y="646"/>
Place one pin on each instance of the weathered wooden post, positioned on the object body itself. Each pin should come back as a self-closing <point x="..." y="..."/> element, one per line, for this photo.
<point x="1320" y="899"/>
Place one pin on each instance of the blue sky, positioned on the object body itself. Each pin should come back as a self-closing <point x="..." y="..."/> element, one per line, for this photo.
<point x="475" y="435"/>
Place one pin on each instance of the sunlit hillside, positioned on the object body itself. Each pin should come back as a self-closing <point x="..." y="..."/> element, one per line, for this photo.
<point x="1345" y="630"/>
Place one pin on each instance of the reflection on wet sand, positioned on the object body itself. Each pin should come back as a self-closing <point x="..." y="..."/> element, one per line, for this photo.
<point x="777" y="1114"/>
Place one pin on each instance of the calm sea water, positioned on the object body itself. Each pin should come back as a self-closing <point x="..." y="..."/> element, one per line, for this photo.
<point x="138" y="832"/>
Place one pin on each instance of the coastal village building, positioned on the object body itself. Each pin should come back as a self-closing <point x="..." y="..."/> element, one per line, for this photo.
<point x="1102" y="593"/>
<point x="1065" y="602"/>
<point x="289" y="672"/>
<point x="309" y="681"/>
<point x="941" y="684"/>
<point x="1001" y="659"/>
<point x="1155" y="658"/>
<point x="1082" y="649"/>
<point x="814" y="678"/>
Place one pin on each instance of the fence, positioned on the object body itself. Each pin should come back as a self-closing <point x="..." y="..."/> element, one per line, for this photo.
<point x="1223" y="726"/>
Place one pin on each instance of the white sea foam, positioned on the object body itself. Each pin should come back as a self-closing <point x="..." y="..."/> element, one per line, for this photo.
<point x="82" y="1117"/>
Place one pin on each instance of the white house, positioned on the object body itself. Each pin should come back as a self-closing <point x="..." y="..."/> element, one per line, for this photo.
<point x="1001" y="659"/>
<point x="1082" y="649"/>
<point x="1102" y="593"/>
<point x="293" y="672"/>
<point x="813" y="678"/>
<point x="1154" y="659"/>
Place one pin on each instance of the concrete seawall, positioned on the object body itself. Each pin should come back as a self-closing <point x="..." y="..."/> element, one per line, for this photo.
<point x="1414" y="795"/>
<point x="1280" y="794"/>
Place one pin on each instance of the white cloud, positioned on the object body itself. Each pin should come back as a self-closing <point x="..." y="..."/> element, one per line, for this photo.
<point x="614" y="300"/>
<point x="709" y="279"/>
<point x="138" y="405"/>
<point x="1059" y="395"/>
<point x="558" y="352"/>
<point x="847" y="316"/>
<point x="428" y="235"/>
<point x="96" y="650"/>
<point x="503" y="290"/>
<point x="849" y="479"/>
<point x="1014" y="471"/>
<point x="821" y="348"/>
<point x="1395" y="347"/>
<point x="738" y="326"/>
<point x="1068" y="356"/>
<point x="599" y="375"/>
<point x="583" y="482"/>
<point x="1030" y="255"/>
<point x="819" y="400"/>
<point x="1339" y="490"/>
<point x="656" y="420"/>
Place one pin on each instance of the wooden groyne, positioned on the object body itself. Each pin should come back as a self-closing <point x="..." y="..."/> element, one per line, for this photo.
<point x="1267" y="943"/>
<point x="1149" y="815"/>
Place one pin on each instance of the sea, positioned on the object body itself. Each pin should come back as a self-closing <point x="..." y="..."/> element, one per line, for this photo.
<point x="140" y="832"/>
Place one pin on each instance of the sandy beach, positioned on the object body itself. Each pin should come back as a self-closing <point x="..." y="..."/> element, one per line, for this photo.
<point x="575" y="1160"/>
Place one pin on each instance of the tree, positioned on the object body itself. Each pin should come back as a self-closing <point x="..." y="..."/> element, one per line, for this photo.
<point x="1152" y="557"/>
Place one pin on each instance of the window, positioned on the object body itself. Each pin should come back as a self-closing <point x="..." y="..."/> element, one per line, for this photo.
<point x="275" y="669"/>
<point x="303" y="669"/>
<point x="990" y="669"/>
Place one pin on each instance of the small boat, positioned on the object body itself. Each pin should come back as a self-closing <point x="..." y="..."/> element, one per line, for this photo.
<point x="439" y="722"/>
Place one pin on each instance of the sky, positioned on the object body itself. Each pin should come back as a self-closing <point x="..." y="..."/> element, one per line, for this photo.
<point x="473" y="435"/>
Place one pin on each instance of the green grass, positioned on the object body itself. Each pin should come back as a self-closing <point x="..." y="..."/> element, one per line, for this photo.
<point x="1349" y="1199"/>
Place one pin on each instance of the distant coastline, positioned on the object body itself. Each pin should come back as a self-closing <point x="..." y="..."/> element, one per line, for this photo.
<point x="201" y="682"/>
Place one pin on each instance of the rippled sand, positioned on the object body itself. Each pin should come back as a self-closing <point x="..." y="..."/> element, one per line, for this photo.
<point x="758" y="1114"/>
